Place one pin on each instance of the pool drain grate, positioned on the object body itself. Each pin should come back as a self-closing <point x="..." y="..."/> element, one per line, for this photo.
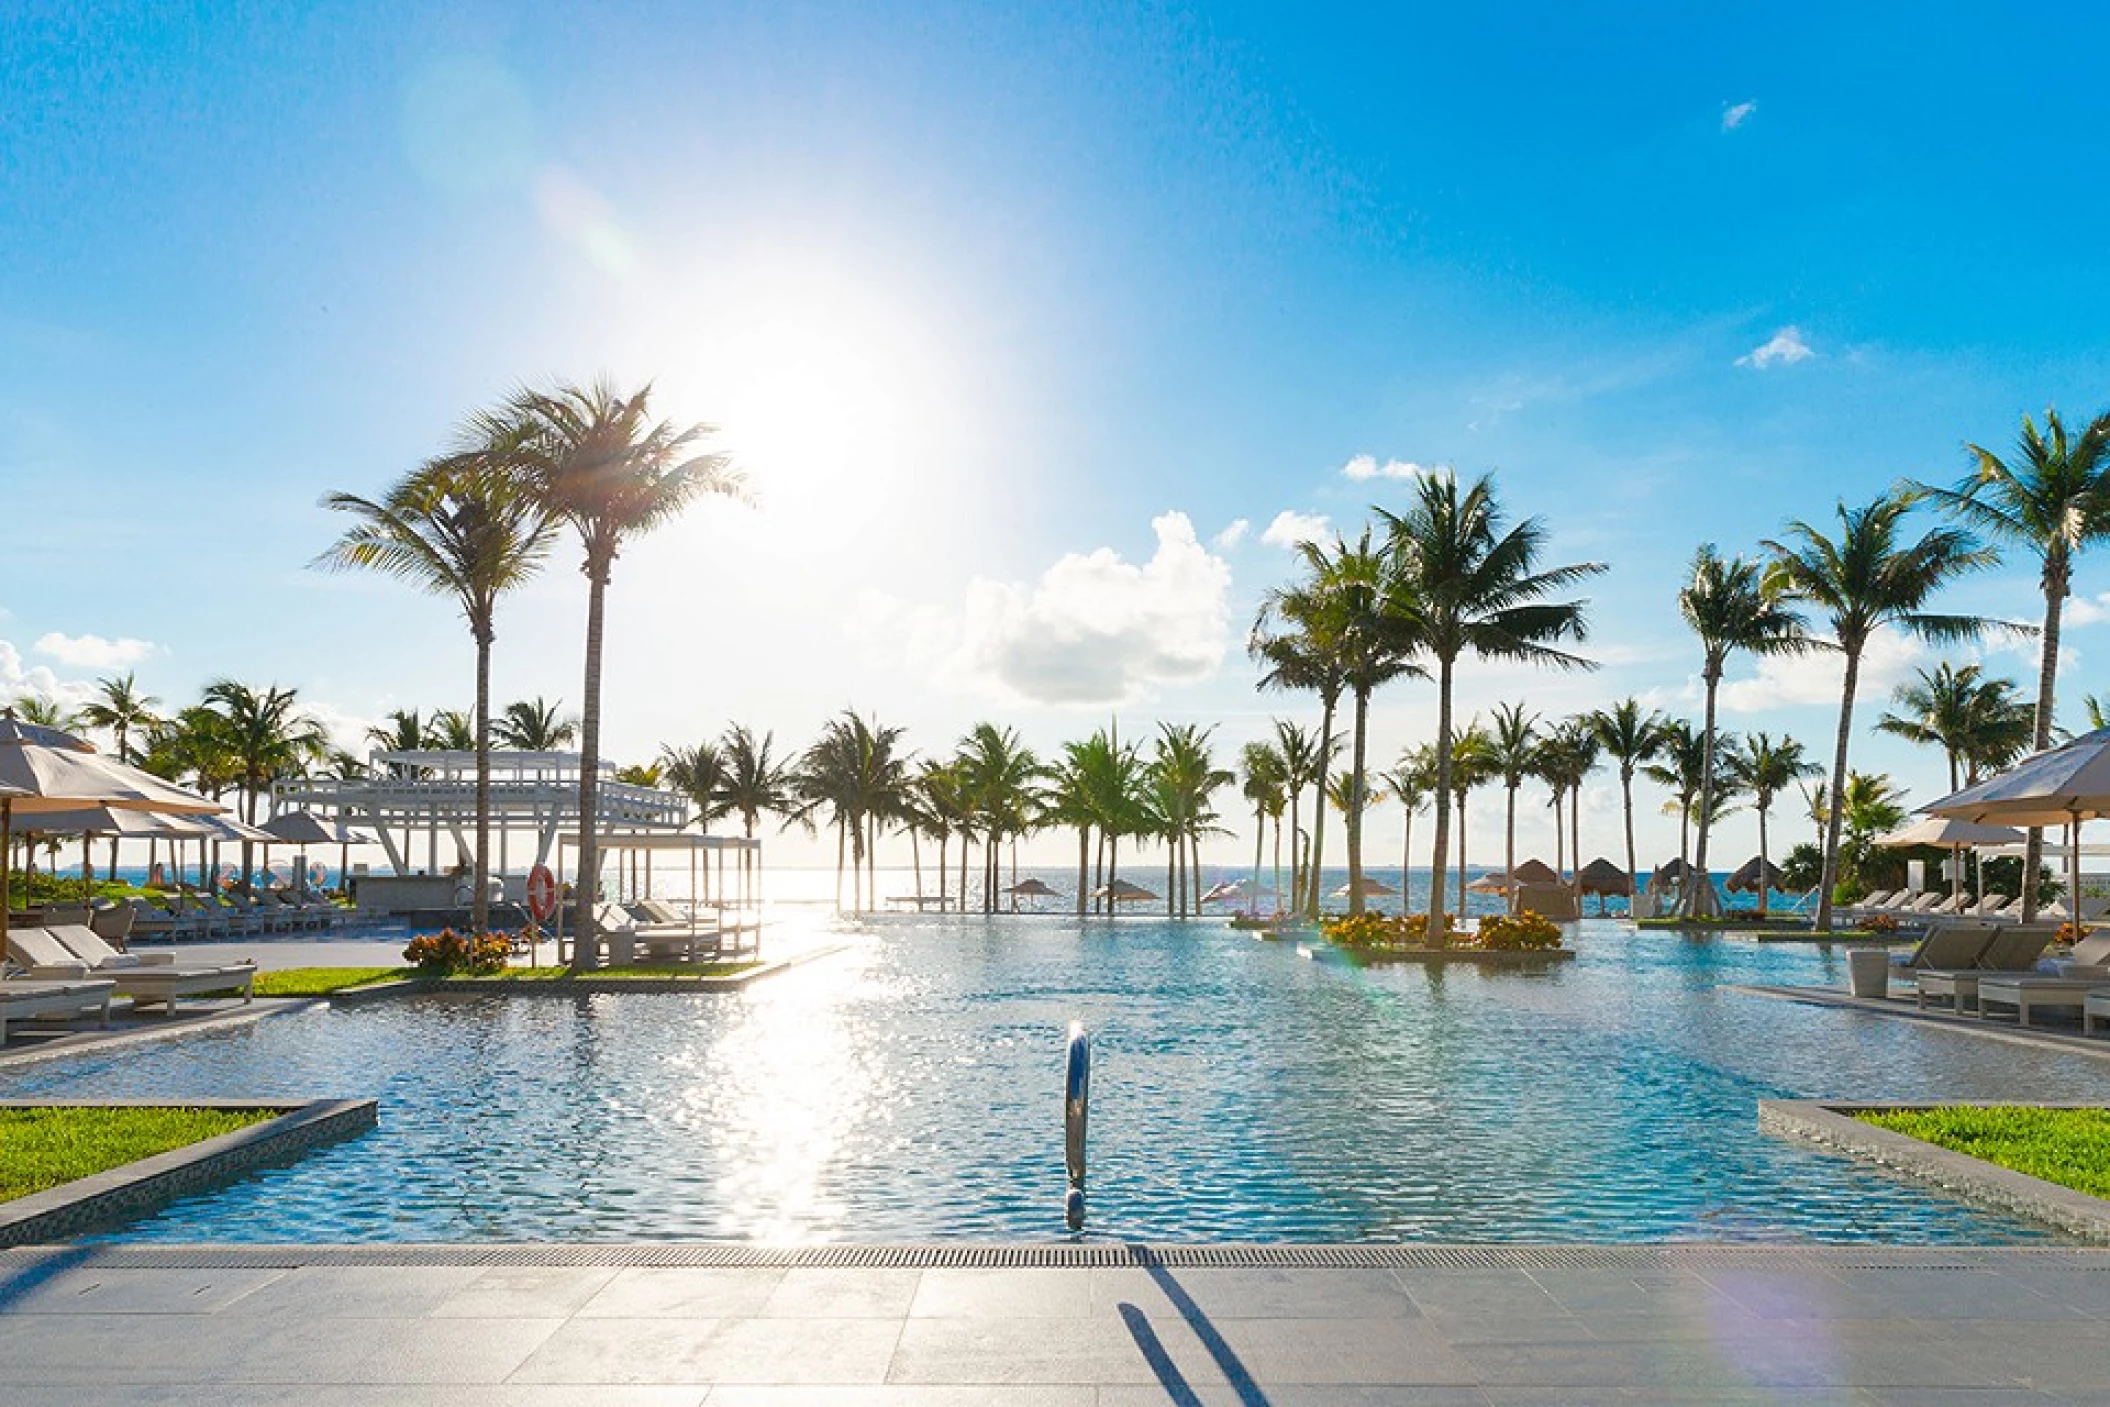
<point x="1118" y="1256"/>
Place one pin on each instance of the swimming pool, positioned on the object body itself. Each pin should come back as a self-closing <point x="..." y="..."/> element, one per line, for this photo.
<point x="909" y="1089"/>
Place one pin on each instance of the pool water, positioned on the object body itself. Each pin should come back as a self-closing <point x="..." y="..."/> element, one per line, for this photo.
<point x="909" y="1088"/>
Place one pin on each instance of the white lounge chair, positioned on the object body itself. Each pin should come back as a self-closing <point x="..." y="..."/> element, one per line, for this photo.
<point x="21" y="998"/>
<point x="149" y="979"/>
<point x="2012" y="953"/>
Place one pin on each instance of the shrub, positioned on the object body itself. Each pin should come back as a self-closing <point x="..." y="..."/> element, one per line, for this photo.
<point x="447" y="951"/>
<point x="2071" y="933"/>
<point x="1526" y="932"/>
<point x="1376" y="930"/>
<point x="1879" y="923"/>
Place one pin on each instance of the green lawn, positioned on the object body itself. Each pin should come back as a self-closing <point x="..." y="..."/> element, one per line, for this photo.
<point x="321" y="981"/>
<point x="639" y="970"/>
<point x="42" y="1148"/>
<point x="2067" y="1146"/>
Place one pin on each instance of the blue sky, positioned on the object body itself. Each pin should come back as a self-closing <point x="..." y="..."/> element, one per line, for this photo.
<point x="1013" y="315"/>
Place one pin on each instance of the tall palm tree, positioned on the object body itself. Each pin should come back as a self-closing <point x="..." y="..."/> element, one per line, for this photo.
<point x="1765" y="768"/>
<point x="595" y="458"/>
<point x="1869" y="806"/>
<point x="1479" y="589"/>
<point x="266" y="736"/>
<point x="461" y="528"/>
<point x="44" y="712"/>
<point x="1978" y="723"/>
<point x="1630" y="735"/>
<point x="1301" y="767"/>
<point x="1680" y="759"/>
<point x="1072" y="800"/>
<point x="698" y="772"/>
<point x="1513" y="750"/>
<point x="1262" y="782"/>
<point x="402" y="731"/>
<point x="534" y="725"/>
<point x="1727" y="602"/>
<point x="1187" y="777"/>
<point x="1565" y="760"/>
<point x="450" y="730"/>
<point x="1001" y="777"/>
<point x="1413" y="781"/>
<point x="1372" y="629"/>
<point x="1472" y="764"/>
<point x="856" y="772"/>
<point x="936" y="796"/>
<point x="121" y="709"/>
<point x="1863" y="579"/>
<point x="2051" y="497"/>
<point x="754" y="782"/>
<point x="1295" y="637"/>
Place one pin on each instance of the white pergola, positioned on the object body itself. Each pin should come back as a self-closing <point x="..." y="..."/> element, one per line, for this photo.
<point x="435" y="793"/>
<point x="734" y="902"/>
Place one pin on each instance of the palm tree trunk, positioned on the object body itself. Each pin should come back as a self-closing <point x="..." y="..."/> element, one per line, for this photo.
<point x="1440" y="863"/>
<point x="1462" y="864"/>
<point x="1829" y="875"/>
<point x="1406" y="865"/>
<point x="1084" y="861"/>
<point x="1575" y="841"/>
<point x="944" y="866"/>
<point x="480" y="901"/>
<point x="1354" y="824"/>
<point x="1764" y="868"/>
<point x="1633" y="876"/>
<point x="915" y="856"/>
<point x="2055" y="587"/>
<point x="1259" y="850"/>
<point x="1172" y="879"/>
<point x="1296" y="860"/>
<point x="1699" y="899"/>
<point x="1318" y="823"/>
<point x="840" y="842"/>
<point x="1509" y="842"/>
<point x="586" y="943"/>
<point x="1560" y="832"/>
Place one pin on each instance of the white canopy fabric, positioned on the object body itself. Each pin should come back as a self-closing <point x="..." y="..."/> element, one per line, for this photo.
<point x="307" y="828"/>
<point x="1369" y="888"/>
<point x="2061" y="787"/>
<point x="1948" y="830"/>
<point x="111" y="820"/>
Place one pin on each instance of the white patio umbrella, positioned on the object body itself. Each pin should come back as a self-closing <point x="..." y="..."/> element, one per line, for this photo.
<point x="43" y="770"/>
<point x="2060" y="787"/>
<point x="305" y="828"/>
<point x="101" y="822"/>
<point x="1369" y="888"/>
<point x="1958" y="835"/>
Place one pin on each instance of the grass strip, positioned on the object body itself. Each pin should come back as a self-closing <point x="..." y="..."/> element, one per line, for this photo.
<point x="41" y="1148"/>
<point x="649" y="970"/>
<point x="321" y="981"/>
<point x="2068" y="1146"/>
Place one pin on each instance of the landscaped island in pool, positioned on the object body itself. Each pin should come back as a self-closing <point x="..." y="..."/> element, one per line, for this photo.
<point x="910" y="1089"/>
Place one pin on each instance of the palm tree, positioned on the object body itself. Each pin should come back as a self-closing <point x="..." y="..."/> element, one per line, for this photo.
<point x="2052" y="498"/>
<point x="699" y="774"/>
<point x="404" y="732"/>
<point x="1294" y="636"/>
<point x="1864" y="580"/>
<point x="1263" y="784"/>
<point x="266" y="736"/>
<point x="533" y="725"/>
<point x="1412" y="780"/>
<point x="596" y="459"/>
<point x="754" y="782"/>
<point x="1729" y="605"/>
<point x="2098" y="713"/>
<point x="1072" y="800"/>
<point x="1301" y="767"/>
<point x="1630" y="735"/>
<point x="1472" y="763"/>
<point x="1765" y="768"/>
<point x="451" y="730"/>
<point x="1978" y="723"/>
<point x="45" y="713"/>
<point x="1000" y="777"/>
<point x="460" y="528"/>
<point x="854" y="771"/>
<point x="1513" y="751"/>
<point x="937" y="800"/>
<point x="1678" y="764"/>
<point x="1478" y="589"/>
<point x="1869" y="807"/>
<point x="1565" y="760"/>
<point x="120" y="708"/>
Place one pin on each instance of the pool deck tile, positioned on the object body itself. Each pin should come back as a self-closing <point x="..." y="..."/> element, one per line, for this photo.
<point x="1825" y="1327"/>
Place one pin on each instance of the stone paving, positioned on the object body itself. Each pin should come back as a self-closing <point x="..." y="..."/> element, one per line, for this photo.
<point x="1831" y="1326"/>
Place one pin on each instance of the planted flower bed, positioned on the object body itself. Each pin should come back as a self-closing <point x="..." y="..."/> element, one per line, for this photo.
<point x="1501" y="940"/>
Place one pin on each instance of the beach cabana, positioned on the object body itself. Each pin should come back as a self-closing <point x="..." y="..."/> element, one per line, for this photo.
<point x="1603" y="878"/>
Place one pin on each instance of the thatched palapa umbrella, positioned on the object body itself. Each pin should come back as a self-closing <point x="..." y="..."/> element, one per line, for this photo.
<point x="1028" y="889"/>
<point x="1493" y="882"/>
<point x="1368" y="887"/>
<point x="1122" y="892"/>
<point x="1602" y="878"/>
<point x="1746" y="878"/>
<point x="1536" y="872"/>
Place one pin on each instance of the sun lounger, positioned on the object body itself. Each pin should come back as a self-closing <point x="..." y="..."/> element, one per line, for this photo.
<point x="1923" y="904"/>
<point x="2095" y="1007"/>
<point x="21" y="998"/>
<point x="2012" y="953"/>
<point x="154" y="979"/>
<point x="1950" y="947"/>
<point x="2032" y="994"/>
<point x="1954" y="904"/>
<point x="1871" y="903"/>
<point x="1993" y="906"/>
<point x="663" y="931"/>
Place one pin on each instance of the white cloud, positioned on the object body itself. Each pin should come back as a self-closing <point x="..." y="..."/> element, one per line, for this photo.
<point x="1815" y="676"/>
<point x="18" y="680"/>
<point x="1232" y="535"/>
<point x="1784" y="348"/>
<point x="1098" y="630"/>
<point x="1291" y="528"/>
<point x="1366" y="466"/>
<point x="1735" y="116"/>
<point x="2085" y="610"/>
<point x="93" y="651"/>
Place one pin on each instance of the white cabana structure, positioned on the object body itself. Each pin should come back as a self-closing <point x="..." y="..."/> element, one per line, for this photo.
<point x="414" y="796"/>
<point x="723" y="898"/>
